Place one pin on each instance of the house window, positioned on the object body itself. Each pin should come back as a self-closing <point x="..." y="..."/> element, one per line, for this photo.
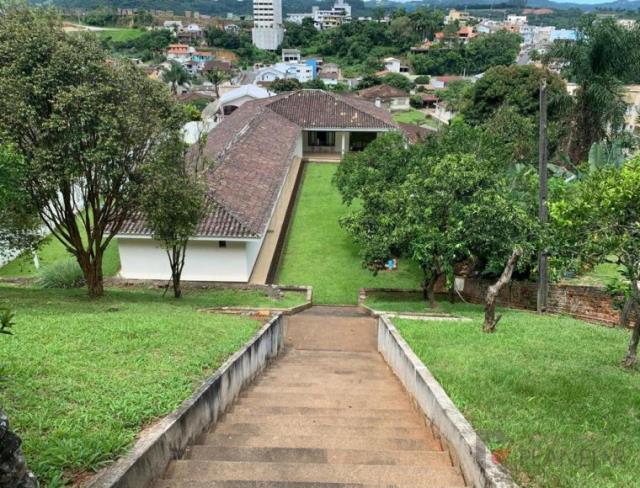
<point x="322" y="139"/>
<point x="222" y="243"/>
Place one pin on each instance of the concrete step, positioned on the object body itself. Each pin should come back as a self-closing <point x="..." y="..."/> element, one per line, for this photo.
<point x="329" y="389"/>
<point x="328" y="377"/>
<point x="337" y="381"/>
<point x="319" y="473"/>
<point x="370" y="411"/>
<point x="411" y="422"/>
<point x="318" y="456"/>
<point x="259" y="429"/>
<point x="256" y="484"/>
<point x="323" y="442"/>
<point x="325" y="401"/>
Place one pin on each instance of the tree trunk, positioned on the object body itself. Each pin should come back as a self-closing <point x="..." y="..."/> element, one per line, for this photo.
<point x="490" y="319"/>
<point x="428" y="292"/>
<point x="631" y="358"/>
<point x="92" y="271"/>
<point x="626" y="312"/>
<point x="176" y="261"/>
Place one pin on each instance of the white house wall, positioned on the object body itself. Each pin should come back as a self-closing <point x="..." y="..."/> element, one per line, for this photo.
<point x="142" y="258"/>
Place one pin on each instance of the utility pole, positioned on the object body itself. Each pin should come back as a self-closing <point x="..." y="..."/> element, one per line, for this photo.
<point x="543" y="214"/>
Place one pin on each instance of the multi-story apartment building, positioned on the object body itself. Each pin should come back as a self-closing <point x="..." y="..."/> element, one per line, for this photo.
<point x="267" y="32"/>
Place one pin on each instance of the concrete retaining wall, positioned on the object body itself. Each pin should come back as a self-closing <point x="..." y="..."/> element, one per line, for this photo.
<point x="167" y="440"/>
<point x="469" y="451"/>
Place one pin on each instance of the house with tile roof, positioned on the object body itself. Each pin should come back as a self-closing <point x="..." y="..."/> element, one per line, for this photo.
<point x="387" y="96"/>
<point x="255" y="157"/>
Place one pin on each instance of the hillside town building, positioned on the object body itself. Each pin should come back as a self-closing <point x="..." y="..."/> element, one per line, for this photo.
<point x="268" y="30"/>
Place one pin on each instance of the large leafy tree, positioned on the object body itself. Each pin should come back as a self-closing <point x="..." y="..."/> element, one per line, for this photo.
<point x="173" y="203"/>
<point x="18" y="219"/>
<point x="84" y="126"/>
<point x="432" y="204"/>
<point x="599" y="217"/>
<point x="517" y="87"/>
<point x="604" y="57"/>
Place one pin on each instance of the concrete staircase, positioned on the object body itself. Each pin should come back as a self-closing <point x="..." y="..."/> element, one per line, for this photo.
<point x="328" y="413"/>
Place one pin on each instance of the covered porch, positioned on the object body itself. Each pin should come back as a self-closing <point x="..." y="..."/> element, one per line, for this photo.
<point x="331" y="145"/>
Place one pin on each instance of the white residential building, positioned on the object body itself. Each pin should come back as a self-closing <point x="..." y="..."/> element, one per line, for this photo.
<point x="299" y="71"/>
<point x="267" y="32"/>
<point x="258" y="151"/>
<point x="325" y="19"/>
<point x="394" y="65"/>
<point x="517" y="19"/>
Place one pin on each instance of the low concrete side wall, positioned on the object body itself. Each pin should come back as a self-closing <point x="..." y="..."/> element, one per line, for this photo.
<point x="469" y="451"/>
<point x="168" y="439"/>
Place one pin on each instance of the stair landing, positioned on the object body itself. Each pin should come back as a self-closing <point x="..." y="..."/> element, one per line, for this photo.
<point x="327" y="414"/>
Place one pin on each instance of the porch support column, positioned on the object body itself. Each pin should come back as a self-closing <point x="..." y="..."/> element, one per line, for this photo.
<point x="344" y="143"/>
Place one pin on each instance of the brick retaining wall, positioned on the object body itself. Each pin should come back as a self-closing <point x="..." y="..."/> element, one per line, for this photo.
<point x="589" y="303"/>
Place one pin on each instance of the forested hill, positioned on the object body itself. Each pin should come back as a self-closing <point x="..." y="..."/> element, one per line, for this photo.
<point x="243" y="7"/>
<point x="210" y="7"/>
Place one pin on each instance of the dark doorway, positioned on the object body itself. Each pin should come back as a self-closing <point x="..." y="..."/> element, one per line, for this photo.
<point x="359" y="140"/>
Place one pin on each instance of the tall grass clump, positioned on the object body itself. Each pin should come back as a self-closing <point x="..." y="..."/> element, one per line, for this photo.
<point x="61" y="274"/>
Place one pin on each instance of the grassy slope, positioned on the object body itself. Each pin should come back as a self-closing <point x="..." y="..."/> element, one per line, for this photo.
<point x="410" y="117"/>
<point x="414" y="116"/>
<point x="119" y="35"/>
<point x="548" y="389"/>
<point x="320" y="253"/>
<point x="84" y="376"/>
<point x="51" y="251"/>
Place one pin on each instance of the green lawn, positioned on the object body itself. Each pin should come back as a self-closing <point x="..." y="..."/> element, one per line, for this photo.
<point x="85" y="375"/>
<point x="412" y="116"/>
<point x="119" y="35"/>
<point x="547" y="391"/>
<point x="320" y="253"/>
<point x="51" y="251"/>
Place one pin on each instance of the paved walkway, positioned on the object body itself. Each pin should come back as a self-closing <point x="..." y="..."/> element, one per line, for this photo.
<point x="329" y="413"/>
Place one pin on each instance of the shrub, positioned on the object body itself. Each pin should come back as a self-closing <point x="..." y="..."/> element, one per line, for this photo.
<point x="416" y="101"/>
<point x="61" y="274"/>
<point x="422" y="80"/>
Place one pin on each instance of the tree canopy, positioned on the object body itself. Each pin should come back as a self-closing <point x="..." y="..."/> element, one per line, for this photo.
<point x="473" y="57"/>
<point x="599" y="217"/>
<point x="84" y="126"/>
<point x="604" y="57"/>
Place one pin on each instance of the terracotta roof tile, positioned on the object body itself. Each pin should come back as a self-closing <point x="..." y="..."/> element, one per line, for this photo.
<point x="320" y="109"/>
<point x="383" y="92"/>
<point x="251" y="152"/>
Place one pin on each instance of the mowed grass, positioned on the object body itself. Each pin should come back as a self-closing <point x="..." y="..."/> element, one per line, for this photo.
<point x="412" y="116"/>
<point x="52" y="250"/>
<point x="119" y="35"/>
<point x="84" y="376"/>
<point x="321" y="254"/>
<point x="546" y="391"/>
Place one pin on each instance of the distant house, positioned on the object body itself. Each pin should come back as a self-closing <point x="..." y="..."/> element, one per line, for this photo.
<point x="235" y="98"/>
<point x="257" y="151"/>
<point x="291" y="56"/>
<point x="440" y="82"/>
<point x="329" y="79"/>
<point x="386" y="96"/>
<point x="202" y="57"/>
<point x="394" y="65"/>
<point x="179" y="52"/>
<point x="302" y="72"/>
<point x="442" y="113"/>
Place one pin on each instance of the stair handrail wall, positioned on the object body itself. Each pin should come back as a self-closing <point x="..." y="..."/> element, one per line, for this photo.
<point x="469" y="451"/>
<point x="168" y="439"/>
